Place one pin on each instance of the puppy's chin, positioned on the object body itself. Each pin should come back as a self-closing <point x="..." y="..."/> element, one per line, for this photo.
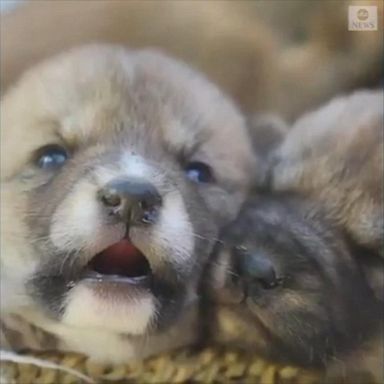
<point x="115" y="291"/>
<point x="125" y="309"/>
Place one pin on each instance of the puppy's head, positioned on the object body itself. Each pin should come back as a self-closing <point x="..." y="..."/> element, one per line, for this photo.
<point x="117" y="169"/>
<point x="289" y="286"/>
<point x="336" y="155"/>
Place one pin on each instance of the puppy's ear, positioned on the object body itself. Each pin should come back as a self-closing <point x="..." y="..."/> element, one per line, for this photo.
<point x="267" y="132"/>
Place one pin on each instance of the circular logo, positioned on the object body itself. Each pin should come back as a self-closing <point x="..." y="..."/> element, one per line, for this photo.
<point x="362" y="14"/>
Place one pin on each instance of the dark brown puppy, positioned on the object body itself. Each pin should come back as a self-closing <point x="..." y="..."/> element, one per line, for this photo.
<point x="300" y="274"/>
<point x="295" y="290"/>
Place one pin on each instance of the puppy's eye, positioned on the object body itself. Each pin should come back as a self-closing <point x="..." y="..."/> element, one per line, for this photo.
<point x="51" y="156"/>
<point x="199" y="172"/>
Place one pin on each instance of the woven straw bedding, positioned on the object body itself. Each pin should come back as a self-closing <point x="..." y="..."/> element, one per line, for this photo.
<point x="212" y="365"/>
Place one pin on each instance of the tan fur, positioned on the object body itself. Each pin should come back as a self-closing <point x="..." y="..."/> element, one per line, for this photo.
<point x="336" y="155"/>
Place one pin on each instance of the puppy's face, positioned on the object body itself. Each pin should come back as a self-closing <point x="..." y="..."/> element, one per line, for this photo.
<point x="117" y="169"/>
<point x="292" y="289"/>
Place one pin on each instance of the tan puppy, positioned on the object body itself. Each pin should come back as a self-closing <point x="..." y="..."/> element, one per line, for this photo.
<point x="260" y="52"/>
<point x="300" y="271"/>
<point x="214" y="37"/>
<point x="115" y="177"/>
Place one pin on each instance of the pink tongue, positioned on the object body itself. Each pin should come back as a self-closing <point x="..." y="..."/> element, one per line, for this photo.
<point x="121" y="258"/>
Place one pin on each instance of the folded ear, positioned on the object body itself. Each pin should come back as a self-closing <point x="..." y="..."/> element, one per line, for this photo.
<point x="267" y="132"/>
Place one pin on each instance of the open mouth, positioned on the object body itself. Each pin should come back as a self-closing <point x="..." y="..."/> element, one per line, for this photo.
<point x="120" y="262"/>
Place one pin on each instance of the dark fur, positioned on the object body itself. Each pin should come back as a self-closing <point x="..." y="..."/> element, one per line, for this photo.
<point x="324" y="307"/>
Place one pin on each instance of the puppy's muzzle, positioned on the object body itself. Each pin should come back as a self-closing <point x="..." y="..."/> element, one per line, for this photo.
<point x="131" y="201"/>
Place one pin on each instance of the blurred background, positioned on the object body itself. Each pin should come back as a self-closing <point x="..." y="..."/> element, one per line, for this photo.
<point x="282" y="56"/>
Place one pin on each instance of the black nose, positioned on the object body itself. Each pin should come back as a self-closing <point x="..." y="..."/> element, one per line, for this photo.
<point x="256" y="266"/>
<point x="132" y="201"/>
